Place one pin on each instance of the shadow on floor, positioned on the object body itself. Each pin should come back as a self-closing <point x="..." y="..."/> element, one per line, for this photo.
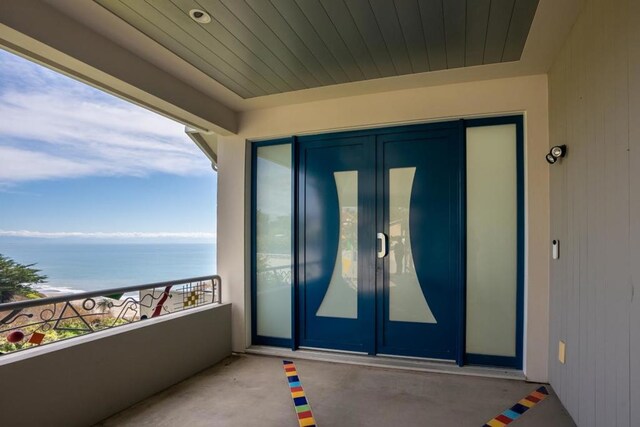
<point x="253" y="391"/>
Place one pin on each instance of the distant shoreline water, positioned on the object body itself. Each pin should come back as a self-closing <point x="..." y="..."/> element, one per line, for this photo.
<point x="77" y="267"/>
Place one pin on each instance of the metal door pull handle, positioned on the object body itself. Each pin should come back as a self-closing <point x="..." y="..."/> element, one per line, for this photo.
<point x="383" y="245"/>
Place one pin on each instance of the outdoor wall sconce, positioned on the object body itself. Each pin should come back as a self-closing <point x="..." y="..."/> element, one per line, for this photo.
<point x="556" y="153"/>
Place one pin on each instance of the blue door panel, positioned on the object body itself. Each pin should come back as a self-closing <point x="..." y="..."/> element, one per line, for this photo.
<point x="434" y="225"/>
<point x="319" y="229"/>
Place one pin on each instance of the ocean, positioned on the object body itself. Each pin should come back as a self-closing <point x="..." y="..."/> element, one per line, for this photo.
<point x="74" y="267"/>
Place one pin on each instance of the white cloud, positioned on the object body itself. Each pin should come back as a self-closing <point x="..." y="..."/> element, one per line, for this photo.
<point x="54" y="127"/>
<point x="106" y="235"/>
<point x="22" y="165"/>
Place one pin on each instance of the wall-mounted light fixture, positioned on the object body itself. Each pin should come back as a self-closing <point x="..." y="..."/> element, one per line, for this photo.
<point x="557" y="152"/>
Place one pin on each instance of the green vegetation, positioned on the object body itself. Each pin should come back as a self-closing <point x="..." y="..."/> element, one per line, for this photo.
<point x="49" y="336"/>
<point x="53" y="335"/>
<point x="17" y="279"/>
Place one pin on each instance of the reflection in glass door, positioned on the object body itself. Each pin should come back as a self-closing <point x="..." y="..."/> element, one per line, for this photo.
<point x="272" y="241"/>
<point x="341" y="298"/>
<point x="407" y="303"/>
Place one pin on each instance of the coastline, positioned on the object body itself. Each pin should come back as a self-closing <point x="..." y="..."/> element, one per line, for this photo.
<point x="80" y="267"/>
<point x="51" y="291"/>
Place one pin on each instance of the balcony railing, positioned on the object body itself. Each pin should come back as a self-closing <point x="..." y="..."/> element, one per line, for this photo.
<point x="32" y="323"/>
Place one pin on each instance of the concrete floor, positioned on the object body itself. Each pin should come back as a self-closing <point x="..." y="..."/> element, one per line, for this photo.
<point x="253" y="391"/>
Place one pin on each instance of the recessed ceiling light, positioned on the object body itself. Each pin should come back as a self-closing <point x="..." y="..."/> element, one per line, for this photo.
<point x="200" y="16"/>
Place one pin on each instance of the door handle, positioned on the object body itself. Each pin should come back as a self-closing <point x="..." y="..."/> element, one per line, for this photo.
<point x="383" y="245"/>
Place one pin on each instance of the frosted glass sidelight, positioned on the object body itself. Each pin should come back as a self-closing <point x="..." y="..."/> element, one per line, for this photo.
<point x="273" y="241"/>
<point x="491" y="240"/>
<point x="407" y="302"/>
<point x="341" y="298"/>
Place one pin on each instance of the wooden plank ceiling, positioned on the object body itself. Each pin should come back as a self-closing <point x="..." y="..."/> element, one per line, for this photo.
<point x="263" y="47"/>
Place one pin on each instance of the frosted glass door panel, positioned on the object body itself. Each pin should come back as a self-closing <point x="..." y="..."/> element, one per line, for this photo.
<point x="273" y="241"/>
<point x="406" y="300"/>
<point x="491" y="240"/>
<point x="341" y="299"/>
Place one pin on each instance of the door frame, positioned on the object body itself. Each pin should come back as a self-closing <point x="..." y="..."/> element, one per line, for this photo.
<point x="255" y="338"/>
<point x="505" y="361"/>
<point x="365" y="265"/>
<point x="409" y="133"/>
<point x="462" y="358"/>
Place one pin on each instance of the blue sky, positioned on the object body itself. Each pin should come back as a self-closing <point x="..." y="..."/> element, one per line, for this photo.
<point x="78" y="163"/>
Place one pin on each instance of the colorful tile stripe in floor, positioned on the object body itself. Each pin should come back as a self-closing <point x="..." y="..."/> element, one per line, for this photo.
<point x="519" y="408"/>
<point x="303" y="410"/>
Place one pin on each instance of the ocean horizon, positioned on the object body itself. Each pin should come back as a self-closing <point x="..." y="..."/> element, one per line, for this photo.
<point x="81" y="266"/>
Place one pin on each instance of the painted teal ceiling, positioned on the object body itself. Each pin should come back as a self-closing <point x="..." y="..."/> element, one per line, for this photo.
<point x="263" y="47"/>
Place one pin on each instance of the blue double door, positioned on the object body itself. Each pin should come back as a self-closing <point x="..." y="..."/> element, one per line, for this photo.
<point x="380" y="241"/>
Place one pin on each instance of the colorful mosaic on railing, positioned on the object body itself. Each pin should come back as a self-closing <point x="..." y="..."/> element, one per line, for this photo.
<point x="31" y="323"/>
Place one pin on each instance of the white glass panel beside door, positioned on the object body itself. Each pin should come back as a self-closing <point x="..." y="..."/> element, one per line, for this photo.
<point x="492" y="240"/>
<point x="273" y="241"/>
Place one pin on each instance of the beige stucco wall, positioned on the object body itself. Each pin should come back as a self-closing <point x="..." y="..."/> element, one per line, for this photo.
<point x="526" y="95"/>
